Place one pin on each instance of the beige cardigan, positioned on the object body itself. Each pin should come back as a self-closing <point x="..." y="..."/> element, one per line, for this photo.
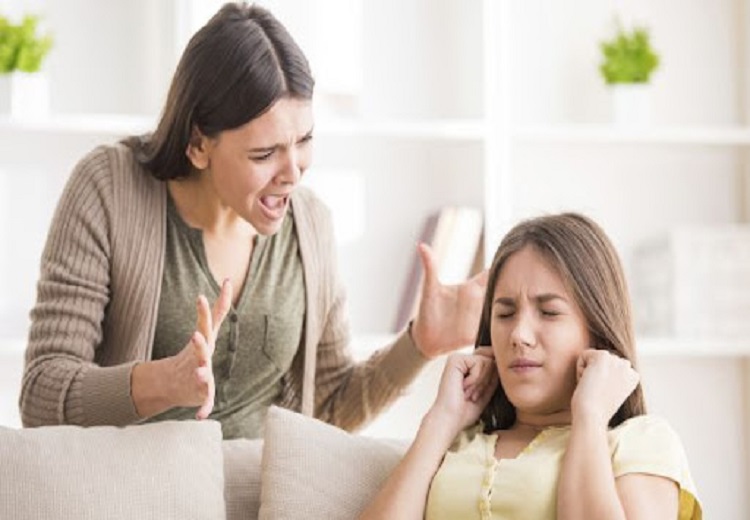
<point x="98" y="293"/>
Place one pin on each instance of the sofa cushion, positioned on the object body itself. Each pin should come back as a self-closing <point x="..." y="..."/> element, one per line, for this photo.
<point x="313" y="470"/>
<point x="242" y="478"/>
<point x="153" y="471"/>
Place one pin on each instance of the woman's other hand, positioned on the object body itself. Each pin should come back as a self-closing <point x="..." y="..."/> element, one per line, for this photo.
<point x="604" y="382"/>
<point x="448" y="316"/>
<point x="185" y="379"/>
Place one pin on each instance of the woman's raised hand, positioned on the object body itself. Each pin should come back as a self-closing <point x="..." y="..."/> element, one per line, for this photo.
<point x="448" y="316"/>
<point x="467" y="384"/>
<point x="605" y="381"/>
<point x="193" y="370"/>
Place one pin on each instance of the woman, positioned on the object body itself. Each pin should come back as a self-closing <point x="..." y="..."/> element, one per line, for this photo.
<point x="565" y="432"/>
<point x="209" y="206"/>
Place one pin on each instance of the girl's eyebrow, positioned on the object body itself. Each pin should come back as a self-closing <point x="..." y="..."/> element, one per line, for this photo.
<point x="540" y="299"/>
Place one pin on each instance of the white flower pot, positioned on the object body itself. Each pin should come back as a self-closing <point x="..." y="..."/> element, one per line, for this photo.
<point x="631" y="104"/>
<point x="24" y="95"/>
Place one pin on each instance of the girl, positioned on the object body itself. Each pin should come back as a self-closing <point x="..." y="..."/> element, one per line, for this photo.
<point x="563" y="431"/>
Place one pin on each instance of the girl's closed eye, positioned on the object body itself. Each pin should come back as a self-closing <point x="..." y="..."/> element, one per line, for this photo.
<point x="262" y="157"/>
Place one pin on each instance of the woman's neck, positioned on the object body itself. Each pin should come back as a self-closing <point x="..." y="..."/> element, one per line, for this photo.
<point x="200" y="206"/>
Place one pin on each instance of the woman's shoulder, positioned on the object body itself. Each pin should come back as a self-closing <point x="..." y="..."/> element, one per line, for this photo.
<point x="110" y="161"/>
<point x="306" y="201"/>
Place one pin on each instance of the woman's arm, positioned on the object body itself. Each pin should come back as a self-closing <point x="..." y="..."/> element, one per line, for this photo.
<point x="587" y="486"/>
<point x="350" y="394"/>
<point x="466" y="386"/>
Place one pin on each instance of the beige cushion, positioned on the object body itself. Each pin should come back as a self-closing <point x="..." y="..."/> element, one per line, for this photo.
<point x="312" y="470"/>
<point x="242" y="478"/>
<point x="153" y="471"/>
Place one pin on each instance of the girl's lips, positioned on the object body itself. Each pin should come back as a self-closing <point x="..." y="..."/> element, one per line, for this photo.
<point x="524" y="365"/>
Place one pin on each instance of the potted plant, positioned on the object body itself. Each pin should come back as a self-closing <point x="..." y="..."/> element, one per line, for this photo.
<point x="628" y="60"/>
<point x="23" y="87"/>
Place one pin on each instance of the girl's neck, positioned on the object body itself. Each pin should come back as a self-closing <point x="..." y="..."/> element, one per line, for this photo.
<point x="537" y="422"/>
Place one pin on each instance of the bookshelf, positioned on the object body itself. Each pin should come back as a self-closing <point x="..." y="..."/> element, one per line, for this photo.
<point x="488" y="104"/>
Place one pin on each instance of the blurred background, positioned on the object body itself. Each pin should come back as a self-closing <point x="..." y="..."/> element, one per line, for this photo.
<point x="421" y="105"/>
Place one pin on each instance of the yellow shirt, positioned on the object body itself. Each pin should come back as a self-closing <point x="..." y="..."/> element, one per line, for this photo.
<point x="471" y="484"/>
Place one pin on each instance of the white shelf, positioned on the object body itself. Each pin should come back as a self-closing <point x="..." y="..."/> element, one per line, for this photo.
<point x="692" y="347"/>
<point x="449" y="129"/>
<point x="121" y="124"/>
<point x="97" y="124"/>
<point x="659" y="135"/>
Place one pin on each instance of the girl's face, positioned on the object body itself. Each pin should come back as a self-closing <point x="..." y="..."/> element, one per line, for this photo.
<point x="538" y="331"/>
<point x="254" y="168"/>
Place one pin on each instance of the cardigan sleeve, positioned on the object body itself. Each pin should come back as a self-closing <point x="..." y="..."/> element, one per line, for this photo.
<point x="350" y="394"/>
<point x="347" y="394"/>
<point x="67" y="319"/>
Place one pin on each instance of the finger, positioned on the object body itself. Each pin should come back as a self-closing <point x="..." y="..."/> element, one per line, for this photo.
<point x="202" y="349"/>
<point x="222" y="305"/>
<point x="484" y="393"/>
<point x="205" y="375"/>
<point x="481" y="278"/>
<point x="203" y="323"/>
<point x="484" y="351"/>
<point x="477" y="369"/>
<point x="429" y="264"/>
<point x="580" y="366"/>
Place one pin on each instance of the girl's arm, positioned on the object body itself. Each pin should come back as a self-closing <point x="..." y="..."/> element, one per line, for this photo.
<point x="587" y="486"/>
<point x="404" y="494"/>
<point x="466" y="386"/>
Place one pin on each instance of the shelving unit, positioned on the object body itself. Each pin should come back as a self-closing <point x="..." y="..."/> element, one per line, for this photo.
<point x="494" y="104"/>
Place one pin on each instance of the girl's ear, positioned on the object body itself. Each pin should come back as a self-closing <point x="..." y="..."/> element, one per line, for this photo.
<point x="198" y="150"/>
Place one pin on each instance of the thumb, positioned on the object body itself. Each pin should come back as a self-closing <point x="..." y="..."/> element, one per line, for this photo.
<point x="429" y="263"/>
<point x="481" y="278"/>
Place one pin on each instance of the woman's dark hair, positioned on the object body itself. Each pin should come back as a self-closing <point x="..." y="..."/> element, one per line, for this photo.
<point x="579" y="250"/>
<point x="232" y="70"/>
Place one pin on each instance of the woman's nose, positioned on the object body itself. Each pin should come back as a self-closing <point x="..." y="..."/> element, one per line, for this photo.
<point x="290" y="171"/>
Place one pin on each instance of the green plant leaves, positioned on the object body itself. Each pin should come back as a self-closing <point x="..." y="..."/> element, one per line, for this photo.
<point x="628" y="57"/>
<point x="20" y="46"/>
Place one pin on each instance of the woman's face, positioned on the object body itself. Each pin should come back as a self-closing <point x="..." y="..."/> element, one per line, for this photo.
<point x="254" y="168"/>
<point x="538" y="331"/>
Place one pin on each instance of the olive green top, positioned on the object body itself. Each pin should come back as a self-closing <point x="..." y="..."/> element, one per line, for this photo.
<point x="260" y="335"/>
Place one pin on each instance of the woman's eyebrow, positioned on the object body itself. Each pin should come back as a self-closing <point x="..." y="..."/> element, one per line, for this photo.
<point x="262" y="149"/>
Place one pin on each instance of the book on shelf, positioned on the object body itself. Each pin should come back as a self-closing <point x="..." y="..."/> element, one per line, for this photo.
<point x="455" y="235"/>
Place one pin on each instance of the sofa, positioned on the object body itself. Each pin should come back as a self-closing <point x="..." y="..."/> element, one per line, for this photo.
<point x="184" y="470"/>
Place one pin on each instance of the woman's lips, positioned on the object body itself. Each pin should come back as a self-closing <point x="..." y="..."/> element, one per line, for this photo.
<point x="274" y="206"/>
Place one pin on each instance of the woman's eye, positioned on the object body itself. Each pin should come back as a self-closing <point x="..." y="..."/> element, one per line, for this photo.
<point x="262" y="157"/>
<point x="504" y="315"/>
<point x="305" y="139"/>
<point x="549" y="313"/>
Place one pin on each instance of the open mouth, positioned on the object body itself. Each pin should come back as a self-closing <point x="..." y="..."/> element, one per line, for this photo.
<point x="274" y="206"/>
